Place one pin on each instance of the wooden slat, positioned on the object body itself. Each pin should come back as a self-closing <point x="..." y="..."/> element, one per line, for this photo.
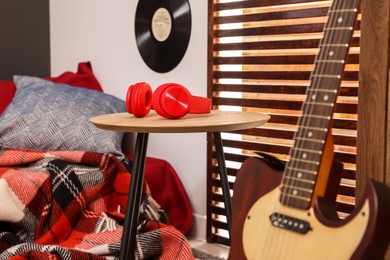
<point x="219" y="239"/>
<point x="217" y="210"/>
<point x="343" y="207"/>
<point x="292" y="29"/>
<point x="266" y="45"/>
<point x="303" y="29"/>
<point x="217" y="183"/>
<point x="346" y="174"/>
<point x="277" y="89"/>
<point x="274" y="45"/>
<point x="281" y="104"/>
<point x="285" y="59"/>
<point x="346" y="190"/>
<point x="282" y="44"/>
<point x="337" y="123"/>
<point x="234" y="157"/>
<point x="219" y="224"/>
<point x="289" y="135"/>
<point x="276" y="75"/>
<point x="291" y="14"/>
<point x="272" y="148"/>
<point x="349" y="174"/>
<point x="257" y="3"/>
<point x="217" y="197"/>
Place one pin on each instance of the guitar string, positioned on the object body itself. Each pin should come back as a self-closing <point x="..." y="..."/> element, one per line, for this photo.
<point x="287" y="183"/>
<point x="333" y="21"/>
<point x="339" y="53"/>
<point x="284" y="186"/>
<point x="313" y="93"/>
<point x="335" y="37"/>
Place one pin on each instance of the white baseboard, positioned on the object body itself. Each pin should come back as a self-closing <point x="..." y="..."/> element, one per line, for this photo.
<point x="199" y="226"/>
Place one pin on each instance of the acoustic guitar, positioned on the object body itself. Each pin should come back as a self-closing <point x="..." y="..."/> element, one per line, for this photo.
<point x="289" y="211"/>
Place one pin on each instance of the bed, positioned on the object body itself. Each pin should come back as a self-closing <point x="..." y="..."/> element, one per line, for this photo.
<point x="64" y="182"/>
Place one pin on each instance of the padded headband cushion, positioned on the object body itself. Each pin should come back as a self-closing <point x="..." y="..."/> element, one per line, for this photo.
<point x="139" y="99"/>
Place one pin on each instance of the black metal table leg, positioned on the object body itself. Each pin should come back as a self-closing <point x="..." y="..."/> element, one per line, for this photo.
<point x="224" y="179"/>
<point x="127" y="251"/>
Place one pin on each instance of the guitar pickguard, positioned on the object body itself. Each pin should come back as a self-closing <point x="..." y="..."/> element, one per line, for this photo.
<point x="262" y="240"/>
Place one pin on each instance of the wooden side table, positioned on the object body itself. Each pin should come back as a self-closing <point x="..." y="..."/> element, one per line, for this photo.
<point x="215" y="122"/>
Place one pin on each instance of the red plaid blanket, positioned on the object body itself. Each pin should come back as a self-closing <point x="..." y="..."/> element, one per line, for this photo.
<point x="70" y="205"/>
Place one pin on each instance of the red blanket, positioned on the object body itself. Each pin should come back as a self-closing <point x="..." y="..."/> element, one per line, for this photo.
<point x="70" y="205"/>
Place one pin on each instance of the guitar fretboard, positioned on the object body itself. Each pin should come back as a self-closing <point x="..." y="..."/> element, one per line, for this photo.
<point x="300" y="175"/>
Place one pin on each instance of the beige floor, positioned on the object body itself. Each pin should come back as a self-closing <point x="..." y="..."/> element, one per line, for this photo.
<point x="212" y="249"/>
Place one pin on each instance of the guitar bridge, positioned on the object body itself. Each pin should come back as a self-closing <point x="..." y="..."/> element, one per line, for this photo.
<point x="290" y="223"/>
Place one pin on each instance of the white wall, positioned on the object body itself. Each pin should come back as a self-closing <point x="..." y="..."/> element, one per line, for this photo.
<point x="102" y="31"/>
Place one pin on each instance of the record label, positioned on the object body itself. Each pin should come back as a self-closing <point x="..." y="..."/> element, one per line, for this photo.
<point x="161" y="24"/>
<point x="162" y="32"/>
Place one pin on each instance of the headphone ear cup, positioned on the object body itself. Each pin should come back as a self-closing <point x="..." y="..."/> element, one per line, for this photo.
<point x="139" y="99"/>
<point x="171" y="100"/>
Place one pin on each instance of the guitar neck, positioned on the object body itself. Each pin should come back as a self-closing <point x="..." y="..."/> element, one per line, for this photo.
<point x="300" y="175"/>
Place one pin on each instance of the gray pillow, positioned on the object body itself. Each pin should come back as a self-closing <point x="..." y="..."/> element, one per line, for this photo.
<point x="48" y="116"/>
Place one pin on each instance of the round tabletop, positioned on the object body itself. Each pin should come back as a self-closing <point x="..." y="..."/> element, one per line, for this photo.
<point x="215" y="121"/>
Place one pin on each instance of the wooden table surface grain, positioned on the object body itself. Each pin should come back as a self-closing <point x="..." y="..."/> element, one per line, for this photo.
<point x="215" y="121"/>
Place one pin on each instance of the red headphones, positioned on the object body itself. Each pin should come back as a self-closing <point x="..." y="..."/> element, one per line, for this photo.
<point x="169" y="100"/>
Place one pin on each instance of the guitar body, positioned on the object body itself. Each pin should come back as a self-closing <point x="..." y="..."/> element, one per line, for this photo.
<point x="363" y="235"/>
<point x="249" y="186"/>
<point x="293" y="215"/>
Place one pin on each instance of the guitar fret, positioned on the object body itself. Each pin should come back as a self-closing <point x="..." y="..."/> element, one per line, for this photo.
<point x="297" y="188"/>
<point x="297" y="197"/>
<point x="330" y="61"/>
<point x="311" y="156"/>
<point x="344" y="11"/>
<point x="295" y="202"/>
<point x="324" y="90"/>
<point x="326" y="76"/>
<point x="320" y="141"/>
<point x="314" y="128"/>
<point x="346" y="45"/>
<point x="317" y="116"/>
<point x="320" y="103"/>
<point x="306" y="161"/>
<point x="338" y="29"/>
<point x="307" y="150"/>
<point x="293" y="191"/>
<point x="298" y="179"/>
<point x="302" y="170"/>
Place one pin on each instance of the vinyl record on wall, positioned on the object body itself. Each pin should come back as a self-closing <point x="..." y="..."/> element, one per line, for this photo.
<point x="162" y="31"/>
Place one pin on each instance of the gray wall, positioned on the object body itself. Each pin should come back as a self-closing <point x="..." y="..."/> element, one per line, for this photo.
<point x="24" y="38"/>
